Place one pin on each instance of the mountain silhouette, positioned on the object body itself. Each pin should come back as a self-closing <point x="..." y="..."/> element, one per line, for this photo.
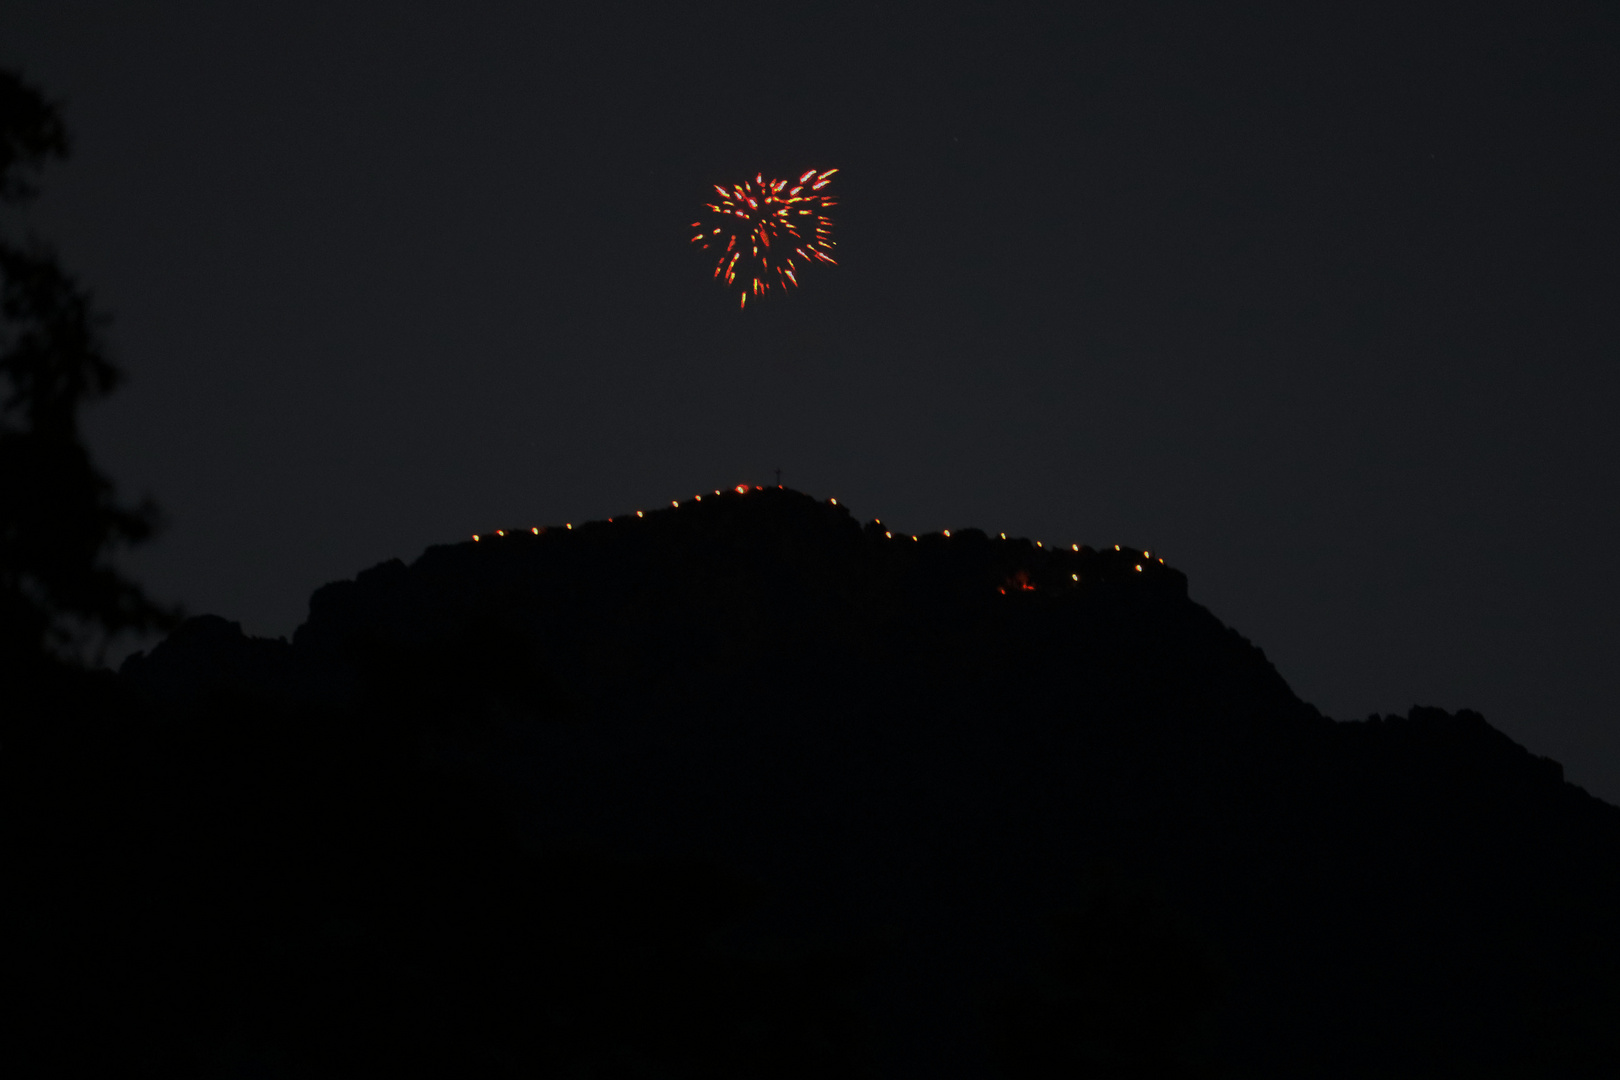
<point x="744" y="787"/>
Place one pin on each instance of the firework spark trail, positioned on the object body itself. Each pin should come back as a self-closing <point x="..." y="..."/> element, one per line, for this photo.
<point x="772" y="223"/>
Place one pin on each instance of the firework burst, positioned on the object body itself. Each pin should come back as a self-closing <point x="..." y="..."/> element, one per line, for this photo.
<point x="760" y="227"/>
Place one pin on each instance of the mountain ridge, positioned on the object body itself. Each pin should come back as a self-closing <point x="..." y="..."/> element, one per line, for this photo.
<point x="1050" y="813"/>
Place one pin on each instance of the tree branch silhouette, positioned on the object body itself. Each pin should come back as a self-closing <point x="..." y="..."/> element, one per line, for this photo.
<point x="60" y="518"/>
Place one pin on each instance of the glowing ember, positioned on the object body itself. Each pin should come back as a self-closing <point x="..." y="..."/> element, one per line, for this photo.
<point x="1019" y="581"/>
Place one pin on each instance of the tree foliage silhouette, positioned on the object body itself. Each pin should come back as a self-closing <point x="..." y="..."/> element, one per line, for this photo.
<point x="59" y="516"/>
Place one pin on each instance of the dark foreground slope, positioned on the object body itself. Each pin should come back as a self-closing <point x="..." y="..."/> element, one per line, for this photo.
<point x="744" y="788"/>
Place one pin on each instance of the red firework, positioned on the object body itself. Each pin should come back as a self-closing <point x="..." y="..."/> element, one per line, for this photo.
<point x="761" y="226"/>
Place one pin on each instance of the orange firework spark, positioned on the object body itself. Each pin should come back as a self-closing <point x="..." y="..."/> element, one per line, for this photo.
<point x="760" y="226"/>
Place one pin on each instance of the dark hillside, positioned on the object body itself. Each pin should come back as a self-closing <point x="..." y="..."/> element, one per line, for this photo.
<point x="746" y="788"/>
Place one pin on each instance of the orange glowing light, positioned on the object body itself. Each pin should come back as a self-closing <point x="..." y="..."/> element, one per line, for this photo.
<point x="742" y="489"/>
<point x="475" y="537"/>
<point x="640" y="514"/>
<point x="1021" y="581"/>
<point x="947" y="532"/>
<point x="535" y="530"/>
<point x="500" y="532"/>
<point x="1138" y="568"/>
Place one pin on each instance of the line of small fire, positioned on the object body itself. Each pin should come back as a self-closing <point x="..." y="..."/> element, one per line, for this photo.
<point x="744" y="489"/>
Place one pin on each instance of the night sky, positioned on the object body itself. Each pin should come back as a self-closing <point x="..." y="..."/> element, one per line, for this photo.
<point x="1322" y="308"/>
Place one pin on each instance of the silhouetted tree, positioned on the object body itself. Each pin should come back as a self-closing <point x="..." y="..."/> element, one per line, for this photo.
<point x="73" y="975"/>
<point x="59" y="517"/>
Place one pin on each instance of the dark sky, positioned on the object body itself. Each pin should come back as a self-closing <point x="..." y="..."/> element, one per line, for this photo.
<point x="1321" y="307"/>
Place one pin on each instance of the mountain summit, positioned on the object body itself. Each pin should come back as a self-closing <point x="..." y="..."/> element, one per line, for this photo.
<point x="744" y="787"/>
